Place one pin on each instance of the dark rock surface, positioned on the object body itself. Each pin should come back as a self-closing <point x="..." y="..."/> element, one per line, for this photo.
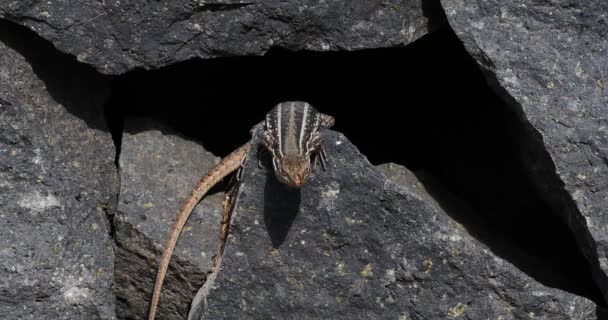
<point x="404" y="177"/>
<point x="117" y="36"/>
<point x="158" y="170"/>
<point x="549" y="61"/>
<point x="354" y="245"/>
<point x="57" y="179"/>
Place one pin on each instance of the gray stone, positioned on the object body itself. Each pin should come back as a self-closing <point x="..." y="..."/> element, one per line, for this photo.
<point x="117" y="36"/>
<point x="354" y="245"/>
<point x="57" y="180"/>
<point x="158" y="170"/>
<point x="549" y="61"/>
<point x="406" y="178"/>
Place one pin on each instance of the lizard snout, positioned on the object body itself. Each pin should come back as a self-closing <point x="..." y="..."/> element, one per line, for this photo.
<point x="297" y="183"/>
<point x="293" y="170"/>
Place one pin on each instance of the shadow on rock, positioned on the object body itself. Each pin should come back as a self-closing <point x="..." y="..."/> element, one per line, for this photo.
<point x="281" y="206"/>
<point x="74" y="85"/>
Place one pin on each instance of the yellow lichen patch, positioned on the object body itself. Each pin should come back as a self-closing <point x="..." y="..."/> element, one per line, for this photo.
<point x="578" y="70"/>
<point x="296" y="282"/>
<point x="100" y="272"/>
<point x="187" y="228"/>
<point x="275" y="252"/>
<point x="427" y="264"/>
<point x="149" y="205"/>
<point x="368" y="271"/>
<point x="340" y="268"/>
<point x="100" y="207"/>
<point x="551" y="85"/>
<point x="276" y="255"/>
<point x="94" y="226"/>
<point x="457" y="311"/>
<point x="56" y="250"/>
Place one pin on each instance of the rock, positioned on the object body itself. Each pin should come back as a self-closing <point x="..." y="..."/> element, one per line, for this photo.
<point x="549" y="61"/>
<point x="57" y="180"/>
<point x="354" y="245"/>
<point x="158" y="170"/>
<point x="404" y="177"/>
<point x="117" y="36"/>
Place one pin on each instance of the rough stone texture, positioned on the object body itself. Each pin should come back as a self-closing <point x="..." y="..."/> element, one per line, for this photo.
<point x="404" y="177"/>
<point x="116" y="36"/>
<point x="549" y="61"/>
<point x="57" y="179"/>
<point x="158" y="170"/>
<point x="354" y="245"/>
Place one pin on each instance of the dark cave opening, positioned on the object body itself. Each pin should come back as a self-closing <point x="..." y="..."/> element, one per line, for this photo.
<point x="426" y="106"/>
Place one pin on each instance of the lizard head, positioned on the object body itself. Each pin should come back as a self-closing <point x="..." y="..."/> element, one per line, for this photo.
<point x="292" y="170"/>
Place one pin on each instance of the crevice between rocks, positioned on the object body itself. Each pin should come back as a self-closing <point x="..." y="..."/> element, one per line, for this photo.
<point x="73" y="84"/>
<point x="545" y="179"/>
<point x="457" y="135"/>
<point x="115" y="125"/>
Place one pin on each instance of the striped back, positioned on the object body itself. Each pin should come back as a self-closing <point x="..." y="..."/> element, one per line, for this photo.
<point x="292" y="124"/>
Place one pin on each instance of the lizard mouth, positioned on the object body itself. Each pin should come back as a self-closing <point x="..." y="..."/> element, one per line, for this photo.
<point x="296" y="184"/>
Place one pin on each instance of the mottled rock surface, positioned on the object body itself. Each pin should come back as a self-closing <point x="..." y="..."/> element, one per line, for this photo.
<point x="57" y="179"/>
<point x="549" y="61"/>
<point x="354" y="245"/>
<point x="116" y="36"/>
<point x="158" y="170"/>
<point x="404" y="177"/>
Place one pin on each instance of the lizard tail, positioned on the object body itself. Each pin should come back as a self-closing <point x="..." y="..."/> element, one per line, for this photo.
<point x="229" y="164"/>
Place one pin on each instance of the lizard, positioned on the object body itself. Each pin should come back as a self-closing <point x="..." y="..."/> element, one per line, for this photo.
<point x="291" y="134"/>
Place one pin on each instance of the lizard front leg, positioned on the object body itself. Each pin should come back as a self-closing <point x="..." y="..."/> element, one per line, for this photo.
<point x="315" y="144"/>
<point x="268" y="143"/>
<point x="326" y="120"/>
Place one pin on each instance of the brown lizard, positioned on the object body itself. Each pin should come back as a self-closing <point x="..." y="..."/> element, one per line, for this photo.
<point x="291" y="133"/>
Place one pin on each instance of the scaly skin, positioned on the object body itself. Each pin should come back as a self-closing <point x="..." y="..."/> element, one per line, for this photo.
<point x="228" y="165"/>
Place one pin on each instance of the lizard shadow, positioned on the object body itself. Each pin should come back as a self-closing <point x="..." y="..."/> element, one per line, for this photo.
<point x="281" y="206"/>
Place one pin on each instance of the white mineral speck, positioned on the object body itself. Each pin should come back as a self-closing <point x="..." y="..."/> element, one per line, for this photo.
<point x="37" y="203"/>
<point x="76" y="295"/>
<point x="82" y="57"/>
<point x="455" y="237"/>
<point x="37" y="159"/>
